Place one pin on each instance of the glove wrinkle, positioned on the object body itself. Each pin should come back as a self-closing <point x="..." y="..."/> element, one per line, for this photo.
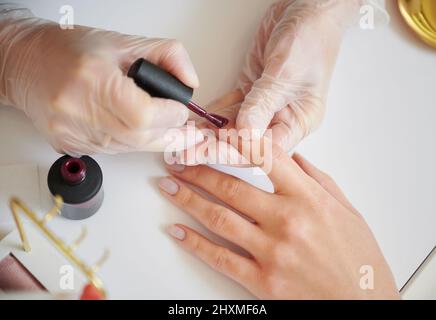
<point x="287" y="71"/>
<point x="72" y="84"/>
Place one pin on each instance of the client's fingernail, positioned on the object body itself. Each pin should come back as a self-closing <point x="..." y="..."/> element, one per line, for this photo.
<point x="176" y="232"/>
<point x="169" y="186"/>
<point x="177" y="167"/>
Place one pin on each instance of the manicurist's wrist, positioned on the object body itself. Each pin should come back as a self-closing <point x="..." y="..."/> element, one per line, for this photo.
<point x="20" y="38"/>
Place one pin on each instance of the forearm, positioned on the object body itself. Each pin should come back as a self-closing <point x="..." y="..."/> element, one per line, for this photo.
<point x="17" y="29"/>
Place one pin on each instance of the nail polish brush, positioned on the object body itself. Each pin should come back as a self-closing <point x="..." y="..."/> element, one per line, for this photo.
<point x="161" y="84"/>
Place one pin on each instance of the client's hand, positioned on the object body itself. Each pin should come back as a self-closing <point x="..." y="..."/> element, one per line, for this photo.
<point x="307" y="241"/>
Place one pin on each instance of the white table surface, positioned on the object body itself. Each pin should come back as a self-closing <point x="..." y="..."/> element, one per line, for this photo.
<point x="377" y="141"/>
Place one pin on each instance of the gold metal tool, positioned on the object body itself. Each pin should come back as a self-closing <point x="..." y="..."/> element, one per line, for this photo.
<point x="17" y="206"/>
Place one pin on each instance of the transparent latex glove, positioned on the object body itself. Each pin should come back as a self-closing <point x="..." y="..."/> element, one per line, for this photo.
<point x="287" y="72"/>
<point x="72" y="84"/>
<point x="286" y="123"/>
<point x="214" y="148"/>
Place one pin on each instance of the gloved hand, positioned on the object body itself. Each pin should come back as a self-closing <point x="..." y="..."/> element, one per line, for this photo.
<point x="287" y="72"/>
<point x="73" y="85"/>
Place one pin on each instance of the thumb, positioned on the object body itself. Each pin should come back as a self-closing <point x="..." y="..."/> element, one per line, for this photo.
<point x="266" y="97"/>
<point x="168" y="54"/>
<point x="136" y="108"/>
<point x="174" y="58"/>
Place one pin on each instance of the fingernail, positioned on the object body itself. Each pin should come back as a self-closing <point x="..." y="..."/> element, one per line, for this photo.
<point x="177" y="167"/>
<point x="176" y="232"/>
<point x="169" y="186"/>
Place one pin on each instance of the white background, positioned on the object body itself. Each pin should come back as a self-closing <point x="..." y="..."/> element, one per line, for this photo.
<point x="377" y="141"/>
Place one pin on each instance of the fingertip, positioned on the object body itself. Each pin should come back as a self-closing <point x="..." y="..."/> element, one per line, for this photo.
<point x="178" y="62"/>
<point x="298" y="157"/>
<point x="304" y="164"/>
<point x="189" y="77"/>
<point x="186" y="71"/>
<point x="192" y="80"/>
<point x="176" y="232"/>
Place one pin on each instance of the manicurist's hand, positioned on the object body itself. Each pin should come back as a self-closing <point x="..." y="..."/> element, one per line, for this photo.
<point x="307" y="242"/>
<point x="287" y="73"/>
<point x="72" y="84"/>
<point x="284" y="83"/>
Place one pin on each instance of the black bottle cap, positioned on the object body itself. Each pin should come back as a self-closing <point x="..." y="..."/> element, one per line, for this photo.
<point x="159" y="83"/>
<point x="75" y="193"/>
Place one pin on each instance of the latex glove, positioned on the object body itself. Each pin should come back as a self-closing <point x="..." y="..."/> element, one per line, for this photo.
<point x="72" y="84"/>
<point x="307" y="241"/>
<point x="287" y="72"/>
<point x="215" y="149"/>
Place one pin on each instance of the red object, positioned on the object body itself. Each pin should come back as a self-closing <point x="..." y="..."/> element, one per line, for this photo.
<point x="216" y="120"/>
<point x="91" y="293"/>
<point x="73" y="171"/>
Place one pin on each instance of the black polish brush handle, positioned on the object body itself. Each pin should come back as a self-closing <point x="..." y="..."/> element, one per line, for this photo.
<point x="159" y="83"/>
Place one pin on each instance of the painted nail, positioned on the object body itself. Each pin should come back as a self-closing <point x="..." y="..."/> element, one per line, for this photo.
<point x="169" y="186"/>
<point x="177" y="168"/>
<point x="176" y="232"/>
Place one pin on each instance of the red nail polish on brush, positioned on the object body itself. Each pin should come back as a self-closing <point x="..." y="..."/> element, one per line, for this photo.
<point x="161" y="84"/>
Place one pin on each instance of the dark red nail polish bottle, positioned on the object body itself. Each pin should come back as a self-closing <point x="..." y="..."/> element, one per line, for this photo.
<point x="80" y="184"/>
